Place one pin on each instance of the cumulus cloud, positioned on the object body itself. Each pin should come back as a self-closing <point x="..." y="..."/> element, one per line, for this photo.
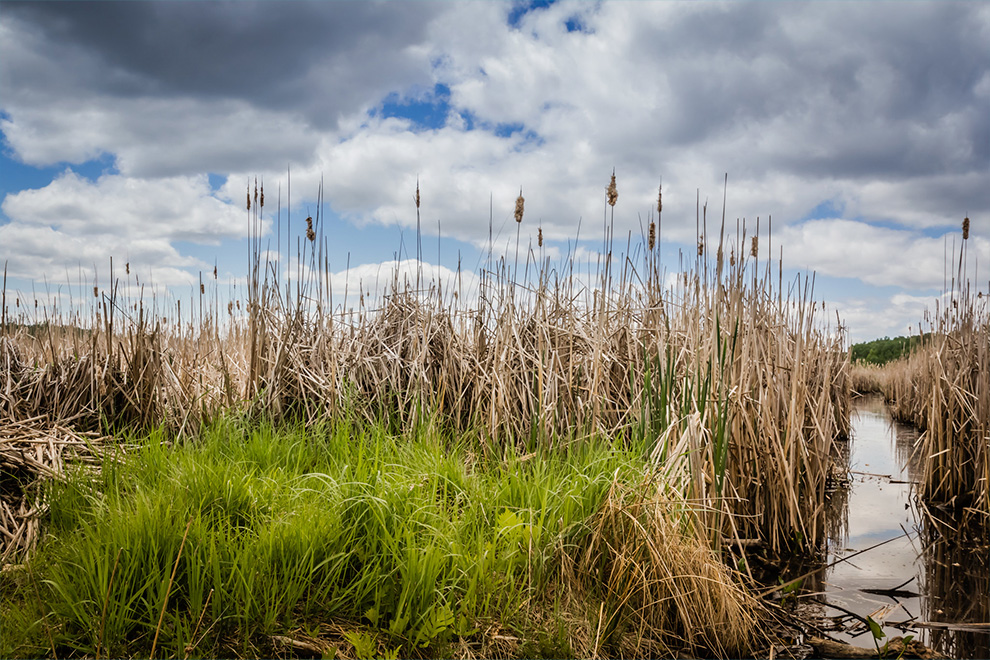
<point x="75" y="222"/>
<point x="878" y="255"/>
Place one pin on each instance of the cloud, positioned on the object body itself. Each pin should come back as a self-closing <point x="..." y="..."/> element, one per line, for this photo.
<point x="73" y="222"/>
<point x="876" y="255"/>
<point x="179" y="88"/>
<point x="877" y="108"/>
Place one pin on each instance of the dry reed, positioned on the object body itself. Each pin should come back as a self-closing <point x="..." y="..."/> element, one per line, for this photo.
<point x="732" y="375"/>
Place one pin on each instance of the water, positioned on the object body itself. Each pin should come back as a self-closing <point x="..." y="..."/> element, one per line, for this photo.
<point x="922" y="577"/>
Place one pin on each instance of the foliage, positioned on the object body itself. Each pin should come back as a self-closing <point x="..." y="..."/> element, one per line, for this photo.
<point x="882" y="351"/>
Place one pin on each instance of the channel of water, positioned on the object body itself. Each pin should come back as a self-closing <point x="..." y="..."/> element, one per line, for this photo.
<point x="918" y="582"/>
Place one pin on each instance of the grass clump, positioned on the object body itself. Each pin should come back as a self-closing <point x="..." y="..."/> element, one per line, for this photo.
<point x="349" y="540"/>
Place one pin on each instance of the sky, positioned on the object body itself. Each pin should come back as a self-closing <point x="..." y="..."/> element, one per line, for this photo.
<point x="131" y="131"/>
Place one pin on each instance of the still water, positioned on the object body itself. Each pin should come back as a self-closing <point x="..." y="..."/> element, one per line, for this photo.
<point x="918" y="582"/>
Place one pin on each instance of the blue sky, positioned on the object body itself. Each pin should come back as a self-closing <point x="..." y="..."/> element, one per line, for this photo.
<point x="130" y="131"/>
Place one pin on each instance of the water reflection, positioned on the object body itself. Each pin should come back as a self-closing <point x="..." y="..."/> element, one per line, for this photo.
<point x="916" y="577"/>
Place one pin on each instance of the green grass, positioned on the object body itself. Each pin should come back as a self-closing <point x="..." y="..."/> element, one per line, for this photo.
<point x="408" y="544"/>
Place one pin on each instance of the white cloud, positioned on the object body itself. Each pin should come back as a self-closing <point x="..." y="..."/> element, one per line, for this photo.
<point x="73" y="222"/>
<point x="876" y="255"/>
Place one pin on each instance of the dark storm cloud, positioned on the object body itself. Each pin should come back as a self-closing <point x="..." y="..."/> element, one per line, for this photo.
<point x="317" y="58"/>
<point x="888" y="89"/>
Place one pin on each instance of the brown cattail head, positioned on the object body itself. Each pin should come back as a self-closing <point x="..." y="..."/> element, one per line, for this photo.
<point x="417" y="193"/>
<point x="701" y="247"/>
<point x="127" y="267"/>
<point x="653" y="235"/>
<point x="262" y="202"/>
<point x="96" y="292"/>
<point x="230" y="308"/>
<point x="310" y="234"/>
<point x="255" y="190"/>
<point x="754" y="249"/>
<point x="539" y="237"/>
<point x="660" y="199"/>
<point x="732" y="257"/>
<point x="202" y="289"/>
<point x="965" y="228"/>
<point x="249" y="197"/>
<point x="612" y="191"/>
<point x="214" y="271"/>
<point x="520" y="203"/>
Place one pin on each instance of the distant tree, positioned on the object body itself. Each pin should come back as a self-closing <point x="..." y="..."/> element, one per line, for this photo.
<point x="882" y="351"/>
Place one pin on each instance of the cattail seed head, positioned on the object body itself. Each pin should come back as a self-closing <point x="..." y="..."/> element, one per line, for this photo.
<point x="255" y="190"/>
<point x="660" y="199"/>
<point x="202" y="289"/>
<point x="539" y="237"/>
<point x="127" y="267"/>
<point x="214" y="272"/>
<point x="732" y="257"/>
<point x="754" y="249"/>
<point x="230" y="308"/>
<point x="417" y="193"/>
<point x="520" y="203"/>
<point x="653" y="235"/>
<point x="965" y="228"/>
<point x="96" y="292"/>
<point x="701" y="247"/>
<point x="249" y="197"/>
<point x="310" y="234"/>
<point x="612" y="191"/>
<point x="262" y="202"/>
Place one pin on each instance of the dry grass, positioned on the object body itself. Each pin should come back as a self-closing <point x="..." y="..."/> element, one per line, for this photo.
<point x="656" y="581"/>
<point x="732" y="374"/>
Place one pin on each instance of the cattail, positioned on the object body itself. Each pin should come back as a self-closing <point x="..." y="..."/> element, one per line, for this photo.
<point x="539" y="237"/>
<point x="701" y="247"/>
<point x="127" y="267"/>
<point x="653" y="235"/>
<point x="754" y="249"/>
<point x="262" y="202"/>
<point x="520" y="202"/>
<point x="214" y="271"/>
<point x="965" y="228"/>
<point x="255" y="190"/>
<point x="238" y="305"/>
<point x="660" y="199"/>
<point x="249" y="197"/>
<point x="732" y="257"/>
<point x="417" y="193"/>
<point x="230" y="308"/>
<point x="202" y="289"/>
<point x="612" y="192"/>
<point x="96" y="292"/>
<point x="310" y="234"/>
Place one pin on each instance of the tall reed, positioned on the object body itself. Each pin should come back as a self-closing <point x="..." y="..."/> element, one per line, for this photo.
<point x="944" y="389"/>
<point x="732" y="374"/>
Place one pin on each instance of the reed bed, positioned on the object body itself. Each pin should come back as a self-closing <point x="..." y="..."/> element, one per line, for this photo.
<point x="732" y="374"/>
<point x="944" y="390"/>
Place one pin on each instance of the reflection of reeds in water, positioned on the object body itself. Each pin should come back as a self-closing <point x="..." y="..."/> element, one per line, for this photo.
<point x="957" y="580"/>
<point x="837" y="496"/>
